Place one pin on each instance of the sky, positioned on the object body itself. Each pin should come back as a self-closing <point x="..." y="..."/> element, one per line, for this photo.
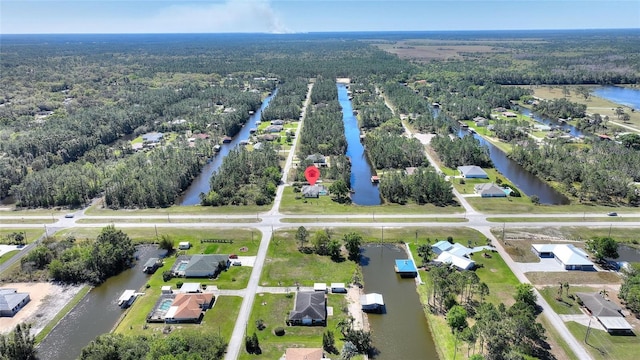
<point x="299" y="16"/>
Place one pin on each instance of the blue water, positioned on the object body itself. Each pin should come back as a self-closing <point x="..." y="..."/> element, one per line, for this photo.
<point x="623" y="96"/>
<point x="519" y="176"/>
<point x="165" y="305"/>
<point x="366" y="193"/>
<point x="201" y="183"/>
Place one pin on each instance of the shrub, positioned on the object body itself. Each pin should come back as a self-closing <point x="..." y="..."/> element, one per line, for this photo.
<point x="179" y="284"/>
<point x="279" y="331"/>
<point x="167" y="275"/>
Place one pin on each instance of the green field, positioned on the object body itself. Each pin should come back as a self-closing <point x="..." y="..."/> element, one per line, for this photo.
<point x="603" y="346"/>
<point x="6" y="256"/>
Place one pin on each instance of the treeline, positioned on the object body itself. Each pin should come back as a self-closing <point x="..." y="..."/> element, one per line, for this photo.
<point x="154" y="179"/>
<point x="510" y="130"/>
<point x="287" y="105"/>
<point x="404" y="98"/>
<point x="466" y="150"/>
<point x="603" y="172"/>
<point x="245" y="178"/>
<point x="176" y="346"/>
<point x="148" y="179"/>
<point x="560" y="108"/>
<point x="323" y="130"/>
<point x="424" y="186"/>
<point x="91" y="261"/>
<point x="630" y="289"/>
<point x="391" y="151"/>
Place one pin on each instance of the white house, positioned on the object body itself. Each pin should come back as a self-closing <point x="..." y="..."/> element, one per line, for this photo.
<point x="568" y="255"/>
<point x="454" y="254"/>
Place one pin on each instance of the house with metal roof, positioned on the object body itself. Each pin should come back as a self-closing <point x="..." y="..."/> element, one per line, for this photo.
<point x="338" y="288"/>
<point x="489" y="190"/>
<point x="453" y="254"/>
<point x="608" y="313"/>
<point x="11" y="301"/>
<point x="310" y="309"/>
<point x="152" y="137"/>
<point x="472" y="172"/>
<point x="406" y="268"/>
<point x="571" y="257"/>
<point x="151" y="265"/>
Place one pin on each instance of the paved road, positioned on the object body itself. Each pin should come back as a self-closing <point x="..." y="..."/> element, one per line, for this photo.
<point x="272" y="220"/>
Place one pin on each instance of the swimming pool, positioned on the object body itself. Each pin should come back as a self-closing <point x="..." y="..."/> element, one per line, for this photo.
<point x="165" y="304"/>
<point x="182" y="266"/>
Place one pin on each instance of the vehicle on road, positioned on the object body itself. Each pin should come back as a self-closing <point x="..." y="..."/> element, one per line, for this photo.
<point x="613" y="214"/>
<point x="68" y="216"/>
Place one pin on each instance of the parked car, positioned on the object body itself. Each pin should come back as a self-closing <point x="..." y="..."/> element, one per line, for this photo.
<point x="69" y="216"/>
<point x="233" y="256"/>
<point x="236" y="263"/>
<point x="613" y="214"/>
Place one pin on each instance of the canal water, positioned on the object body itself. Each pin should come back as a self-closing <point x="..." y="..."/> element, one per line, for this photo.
<point x="567" y="128"/>
<point x="366" y="193"/>
<point x="403" y="331"/>
<point x="519" y="176"/>
<point x="628" y="253"/>
<point x="620" y="95"/>
<point x="96" y="314"/>
<point x="201" y="183"/>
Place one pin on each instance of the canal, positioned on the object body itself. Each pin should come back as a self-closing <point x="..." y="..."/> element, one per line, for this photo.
<point x="366" y="193"/>
<point x="201" y="183"/>
<point x="519" y="176"/>
<point x="96" y="314"/>
<point x="403" y="331"/>
<point x="567" y="128"/>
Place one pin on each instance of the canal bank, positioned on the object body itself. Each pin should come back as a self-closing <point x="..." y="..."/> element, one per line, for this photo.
<point x="201" y="184"/>
<point x="402" y="331"/>
<point x="519" y="176"/>
<point x="96" y="314"/>
<point x="365" y="190"/>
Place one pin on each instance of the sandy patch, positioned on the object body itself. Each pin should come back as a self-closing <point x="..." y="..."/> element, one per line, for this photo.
<point x="355" y="309"/>
<point x="6" y="248"/>
<point x="47" y="300"/>
<point x="424" y="139"/>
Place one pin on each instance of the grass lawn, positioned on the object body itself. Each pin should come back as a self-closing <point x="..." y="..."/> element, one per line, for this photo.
<point x="241" y="237"/>
<point x="285" y="265"/>
<point x="559" y="347"/>
<point x="496" y="274"/>
<point x="196" y="209"/>
<point x="163" y="220"/>
<point x="374" y="218"/>
<point x="564" y="219"/>
<point x="324" y="205"/>
<point x="573" y="277"/>
<point x="469" y="184"/>
<point x="513" y="205"/>
<point x="27" y="220"/>
<point x="6" y="256"/>
<point x="567" y="306"/>
<point x="273" y="309"/>
<point x="624" y="235"/>
<point x="601" y="345"/>
<point x="30" y="234"/>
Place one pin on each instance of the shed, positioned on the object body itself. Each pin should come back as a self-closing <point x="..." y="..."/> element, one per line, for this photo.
<point x="151" y="265"/>
<point x="372" y="302"/>
<point x="166" y="289"/>
<point x="184" y="245"/>
<point x="338" y="288"/>
<point x="406" y="268"/>
<point x="320" y="287"/>
<point x="615" y="324"/>
<point x="472" y="172"/>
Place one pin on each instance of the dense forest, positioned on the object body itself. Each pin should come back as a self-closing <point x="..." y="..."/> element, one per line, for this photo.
<point x="466" y="150"/>
<point x="424" y="186"/>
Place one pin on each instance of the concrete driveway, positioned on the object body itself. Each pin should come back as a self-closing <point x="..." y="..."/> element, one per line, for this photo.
<point x="545" y="265"/>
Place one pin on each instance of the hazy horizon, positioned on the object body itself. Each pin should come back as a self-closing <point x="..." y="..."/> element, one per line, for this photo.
<point x="311" y="16"/>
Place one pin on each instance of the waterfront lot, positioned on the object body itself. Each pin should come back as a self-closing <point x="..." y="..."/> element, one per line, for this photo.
<point x="273" y="309"/>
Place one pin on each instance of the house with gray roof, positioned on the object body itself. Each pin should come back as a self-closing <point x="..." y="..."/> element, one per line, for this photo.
<point x="11" y="301"/>
<point x="203" y="266"/>
<point x="489" y="190"/>
<point x="472" y="172"/>
<point x="310" y="309"/>
<point x="316" y="158"/>
<point x="608" y="313"/>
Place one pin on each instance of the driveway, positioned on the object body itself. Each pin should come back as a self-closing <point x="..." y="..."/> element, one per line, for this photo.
<point x="545" y="265"/>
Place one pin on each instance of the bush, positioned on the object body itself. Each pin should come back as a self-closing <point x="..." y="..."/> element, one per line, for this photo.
<point x="279" y="331"/>
<point x="167" y="275"/>
<point x="179" y="284"/>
